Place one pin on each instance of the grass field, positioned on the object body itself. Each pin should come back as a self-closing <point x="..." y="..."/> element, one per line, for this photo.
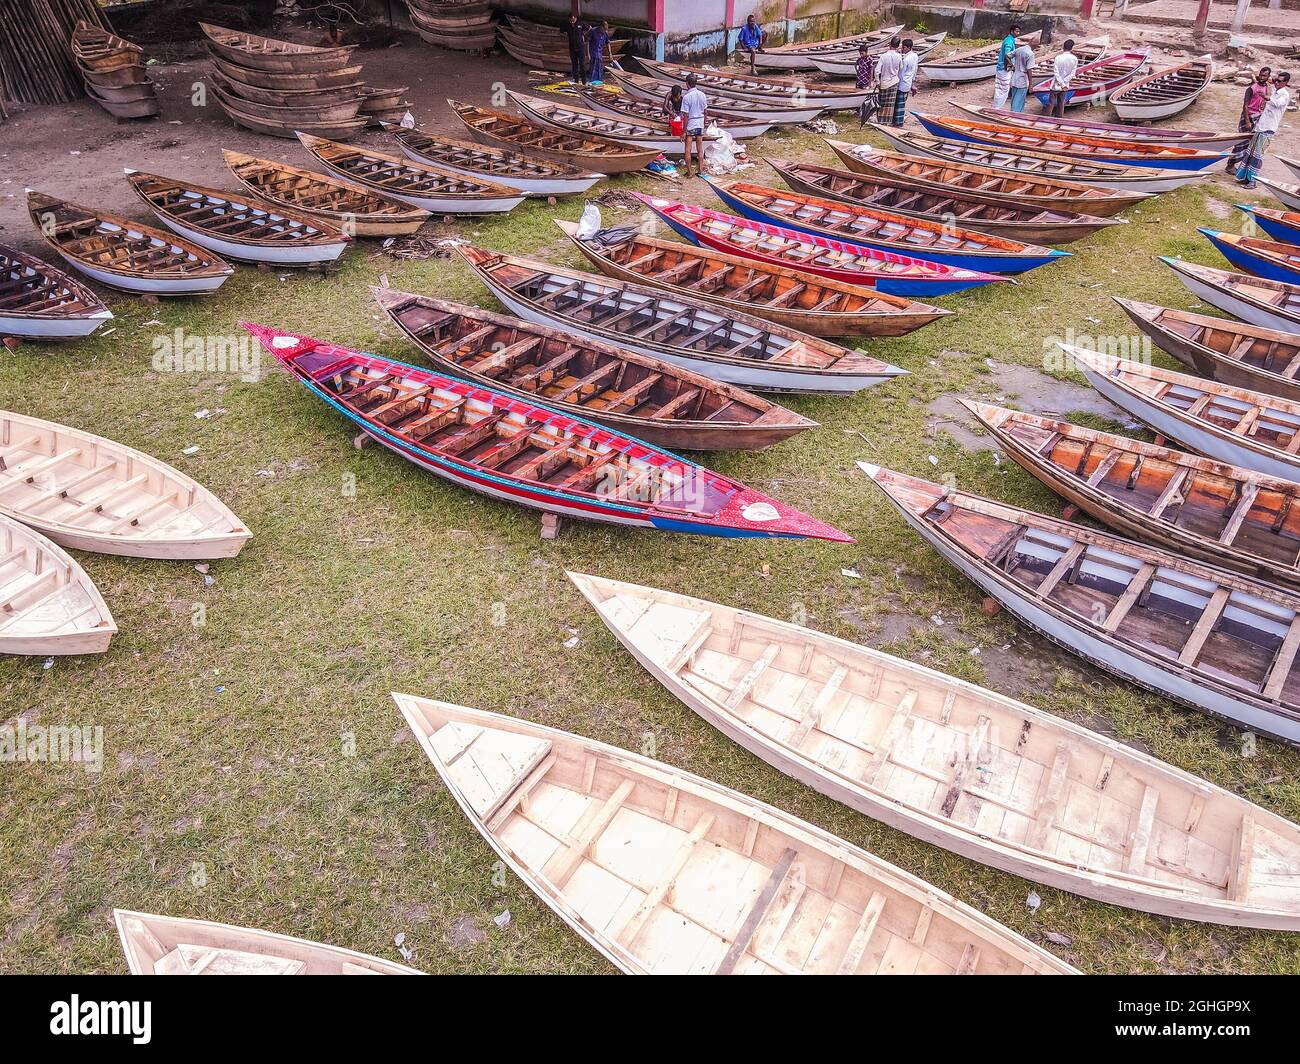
<point x="231" y="790"/>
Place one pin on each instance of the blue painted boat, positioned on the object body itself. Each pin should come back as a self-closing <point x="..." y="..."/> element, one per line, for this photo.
<point x="1276" y="260"/>
<point x="1280" y="225"/>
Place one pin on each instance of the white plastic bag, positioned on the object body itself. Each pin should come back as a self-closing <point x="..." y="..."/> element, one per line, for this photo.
<point x="589" y="223"/>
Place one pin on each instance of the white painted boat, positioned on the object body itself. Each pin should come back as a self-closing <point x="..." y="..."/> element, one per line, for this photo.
<point x="580" y="121"/>
<point x="1258" y="300"/>
<point x="797" y="54"/>
<point x="735" y="107"/>
<point x="1163" y="93"/>
<point x="844" y="64"/>
<point x="1291" y="164"/>
<point x="1287" y="195"/>
<point x="663" y="872"/>
<point x="40" y="302"/>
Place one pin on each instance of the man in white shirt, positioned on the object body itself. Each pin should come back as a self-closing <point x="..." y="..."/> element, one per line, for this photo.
<point x="695" y="107"/>
<point x="906" y="75"/>
<point x="1022" y="60"/>
<point x="1002" y="77"/>
<point x="890" y="65"/>
<point x="1270" y="121"/>
<point x="1063" y="68"/>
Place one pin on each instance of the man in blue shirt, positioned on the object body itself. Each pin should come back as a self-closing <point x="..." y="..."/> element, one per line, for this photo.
<point x="598" y="45"/>
<point x="751" y="39"/>
<point x="1002" y="79"/>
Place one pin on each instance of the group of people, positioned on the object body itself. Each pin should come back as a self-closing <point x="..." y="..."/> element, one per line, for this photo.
<point x="1015" y="64"/>
<point x="588" y="47"/>
<point x="1266" y="101"/>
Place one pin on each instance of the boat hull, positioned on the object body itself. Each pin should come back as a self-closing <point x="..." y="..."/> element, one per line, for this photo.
<point x="1243" y="309"/>
<point x="39" y="327"/>
<point x="1287" y="195"/>
<point x="1246" y="259"/>
<point x="158" y="286"/>
<point x="292" y="255"/>
<point x="534" y="186"/>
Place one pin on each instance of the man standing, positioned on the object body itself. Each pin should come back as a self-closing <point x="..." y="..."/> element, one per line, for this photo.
<point x="890" y="65"/>
<point x="751" y="39"/>
<point x="1265" y="129"/>
<point x="906" y="75"/>
<point x="695" y="107"/>
<point x="1252" y="106"/>
<point x="576" y="34"/>
<point x="864" y="74"/>
<point x="1022" y="61"/>
<point x="1002" y="79"/>
<point x="1063" y="68"/>
<point x="598" y="45"/>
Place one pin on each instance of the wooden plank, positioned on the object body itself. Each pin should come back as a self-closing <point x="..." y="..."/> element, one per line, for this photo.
<point x="893" y="733"/>
<point x="1205" y="626"/>
<point x="970" y="957"/>
<point x="754" y="917"/>
<point x="1244" y="502"/>
<point x="1239" y="875"/>
<point x="811" y="716"/>
<point x="1283" y="661"/>
<point x="862" y="935"/>
<point x="741" y="691"/>
<point x="659" y="892"/>
<point x="1049" y="798"/>
<point x="563" y="863"/>
<point x="1063" y="565"/>
<point x="1140" y="844"/>
<point x="1128" y="600"/>
<point x="1172" y="491"/>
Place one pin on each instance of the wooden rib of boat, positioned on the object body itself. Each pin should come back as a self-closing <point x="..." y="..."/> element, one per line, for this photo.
<point x="169" y="945"/>
<point x="295" y="112"/>
<point x="40" y="302"/>
<point x="578" y="121"/>
<point x="650" y="113"/>
<point x="1212" y="639"/>
<point x="287" y="128"/>
<point x="525" y="452"/>
<point x="502" y="129"/>
<point x="48" y="605"/>
<point x="1274" y="260"/>
<point x="813" y="305"/>
<point x="126" y="103"/>
<point x="1287" y="195"/>
<point x="920" y="238"/>
<point x="785" y="90"/>
<point x="844" y="64"/>
<point x="803" y="253"/>
<point x="798" y="55"/>
<point x="287" y="81"/>
<point x="532" y="174"/>
<point x="1086" y="51"/>
<point x="478" y="37"/>
<point x="1211" y="511"/>
<point x="266" y="53"/>
<point x="687" y="331"/>
<point x="1283" y="226"/>
<point x="124" y="254"/>
<point x="428" y="187"/>
<point x="1163" y="93"/>
<point x="1271" y="304"/>
<point x="354" y="209"/>
<point x="937" y="175"/>
<point x="975" y="64"/>
<point x="96" y="49"/>
<point x="664" y="872"/>
<point x="1095" y="82"/>
<point x="721" y="104"/>
<point x="89" y="493"/>
<point x="1053" y="225"/>
<point x="1040" y="164"/>
<point x="1091" y="149"/>
<point x="1186" y="138"/>
<point x="611" y="385"/>
<point x="960" y="766"/>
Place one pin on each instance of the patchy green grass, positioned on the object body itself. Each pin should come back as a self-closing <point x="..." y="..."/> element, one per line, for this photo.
<point x="228" y="792"/>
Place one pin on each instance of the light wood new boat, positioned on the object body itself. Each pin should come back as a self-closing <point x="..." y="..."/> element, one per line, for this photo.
<point x="138" y="101"/>
<point x="239" y="227"/>
<point x="124" y="254"/>
<point x="721" y="104"/>
<point x="96" y="49"/>
<point x="1163" y="93"/>
<point x="532" y="174"/>
<point x="650" y="113"/>
<point x="687" y="331"/>
<point x="266" y="53"/>
<point x="664" y="872"/>
<point x="961" y="767"/>
<point x="502" y="129"/>
<point x="641" y="396"/>
<point x="1051" y="225"/>
<point x="844" y="64"/>
<point x="1096" y="81"/>
<point x="798" y="55"/>
<point x="169" y="945"/>
<point x="39" y="302"/>
<point x="89" y="493"/>
<point x="255" y="117"/>
<point x="1271" y="304"/>
<point x="287" y="81"/>
<point x="1209" y="638"/>
<point x="973" y="65"/>
<point x="1206" y="510"/>
<point x="813" y="305"/>
<point x="785" y="90"/>
<point x="430" y="188"/>
<point x="1186" y="138"/>
<point x="578" y="121"/>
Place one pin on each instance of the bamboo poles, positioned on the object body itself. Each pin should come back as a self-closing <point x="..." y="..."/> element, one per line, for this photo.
<point x="36" y="64"/>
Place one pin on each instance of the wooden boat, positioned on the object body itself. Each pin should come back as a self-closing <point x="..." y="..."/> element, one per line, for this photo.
<point x="96" y="49"/>
<point x="354" y="209"/>
<point x="1210" y="511"/>
<point x="844" y="64"/>
<point x="454" y="11"/>
<point x="686" y="331"/>
<point x="813" y="305"/>
<point x="798" y="55"/>
<point x="168" y="945"/>
<point x="126" y="103"/>
<point x="428" y="187"/>
<point x="578" y="121"/>
<point x="750" y="86"/>
<point x="39" y="302"/>
<point x="48" y="605"/>
<point x="721" y="105"/>
<point x="939" y="242"/>
<point x="1271" y="304"/>
<point x="528" y="453"/>
<point x="287" y="81"/>
<point x="119" y="77"/>
<point x="664" y="872"/>
<point x="1023" y="162"/>
<point x="239" y="227"/>
<point x="502" y="129"/>
<point x="960" y="766"/>
<point x="1282" y="226"/>
<point x="805" y="254"/>
<point x="975" y="64"/>
<point x="1291" y="164"/>
<point x="1095" y="82"/>
<point x="534" y="175"/>
<point x="124" y="254"/>
<point x="1272" y="259"/>
<point x="1234" y="425"/>
<point x="650" y="113"/>
<point x="479" y="37"/>
<point x="266" y="53"/>
<point x="610" y="385"/>
<point x="1001" y="186"/>
<point x="542" y="47"/>
<point x="377" y="101"/>
<point x="88" y="493"/>
<point x="1086" y="127"/>
<point x="291" y="114"/>
<point x="1086" y="51"/>
<point x="1052" y="225"/>
<point x="1163" y="93"/>
<point x="1211" y="639"/>
<point x="286" y="126"/>
<point x="1091" y="149"/>
<point x="1287" y="195"/>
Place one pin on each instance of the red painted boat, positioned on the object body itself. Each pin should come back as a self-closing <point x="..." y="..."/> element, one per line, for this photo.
<point x="524" y="452"/>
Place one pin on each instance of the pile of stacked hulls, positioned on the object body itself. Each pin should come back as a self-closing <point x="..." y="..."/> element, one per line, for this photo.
<point x="114" y="72"/>
<point x="463" y="25"/>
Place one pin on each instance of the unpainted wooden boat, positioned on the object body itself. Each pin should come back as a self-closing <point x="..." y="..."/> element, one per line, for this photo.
<point x="117" y="78"/>
<point x="799" y="301"/>
<point x="883" y="230"/>
<point x="525" y="452"/>
<point x="578" y="121"/>
<point x="239" y="227"/>
<point x="477" y="37"/>
<point x="1087" y="127"/>
<point x="1206" y="637"/>
<point x="721" y="104"/>
<point x="1002" y="186"/>
<point x="266" y="53"/>
<point x="49" y="607"/>
<point x="134" y="102"/>
<point x="975" y="64"/>
<point x="844" y="64"/>
<point x="900" y="196"/>
<point x="650" y="113"/>
<point x="1283" y="226"/>
<point x="1095" y="82"/>
<point x="533" y="174"/>
<point x="287" y="128"/>
<point x="1275" y="260"/>
<point x="961" y="767"/>
<point x="1291" y="164"/>
<point x="1163" y="93"/>
<point x="291" y="114"/>
<point x="374" y="100"/>
<point x="124" y="254"/>
<point x="169" y="945"/>
<point x="1287" y="195"/>
<point x="40" y="302"/>
<point x="430" y="188"/>
<point x="354" y="209"/>
<point x="287" y="81"/>
<point x="664" y="872"/>
<point x="1270" y="304"/>
<point x="88" y="493"/>
<point x="586" y="152"/>
<point x="797" y="55"/>
<point x="786" y="90"/>
<point x="96" y="49"/>
<point x="820" y="256"/>
<point x="632" y="393"/>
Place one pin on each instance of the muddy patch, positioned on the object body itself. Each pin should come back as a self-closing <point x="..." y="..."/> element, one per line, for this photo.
<point x="464" y="934"/>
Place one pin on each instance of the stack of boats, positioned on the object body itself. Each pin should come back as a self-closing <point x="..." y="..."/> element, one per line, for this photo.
<point x="542" y="47"/>
<point x="464" y="25"/>
<point x="114" y="72"/>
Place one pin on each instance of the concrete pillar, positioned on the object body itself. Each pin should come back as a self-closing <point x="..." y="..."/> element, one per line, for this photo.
<point x="1239" y="16"/>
